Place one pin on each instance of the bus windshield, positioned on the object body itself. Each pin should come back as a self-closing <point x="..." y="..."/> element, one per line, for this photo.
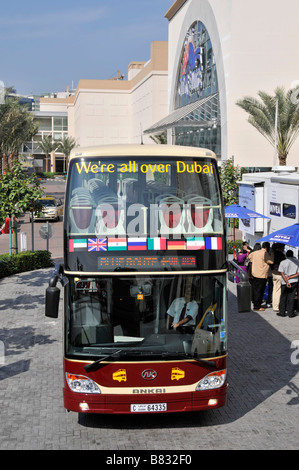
<point x="142" y="207"/>
<point x="156" y="316"/>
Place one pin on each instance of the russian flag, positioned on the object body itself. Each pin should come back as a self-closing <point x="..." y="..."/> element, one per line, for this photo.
<point x="213" y="243"/>
<point x="137" y="243"/>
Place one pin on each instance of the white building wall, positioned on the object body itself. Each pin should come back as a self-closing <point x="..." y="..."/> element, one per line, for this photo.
<point x="116" y="112"/>
<point x="101" y="117"/>
<point x="149" y="105"/>
<point x="53" y="105"/>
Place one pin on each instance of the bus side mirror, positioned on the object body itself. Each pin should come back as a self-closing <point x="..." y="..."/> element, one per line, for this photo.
<point x="53" y="293"/>
<point x="52" y="302"/>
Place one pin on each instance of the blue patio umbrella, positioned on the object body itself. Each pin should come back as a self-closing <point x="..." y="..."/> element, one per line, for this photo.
<point x="235" y="211"/>
<point x="287" y="236"/>
<point x="238" y="212"/>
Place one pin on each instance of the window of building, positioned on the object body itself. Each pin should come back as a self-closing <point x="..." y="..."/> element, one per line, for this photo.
<point x="57" y="136"/>
<point x="45" y="124"/>
<point x="60" y="123"/>
<point x="289" y="210"/>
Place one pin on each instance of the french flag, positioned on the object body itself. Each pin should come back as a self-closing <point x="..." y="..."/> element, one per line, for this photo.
<point x="213" y="243"/>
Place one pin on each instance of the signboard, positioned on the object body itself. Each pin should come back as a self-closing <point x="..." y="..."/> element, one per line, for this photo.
<point x="247" y="199"/>
<point x="275" y="209"/>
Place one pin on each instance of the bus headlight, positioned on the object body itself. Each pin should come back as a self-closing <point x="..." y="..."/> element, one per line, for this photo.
<point x="81" y="384"/>
<point x="212" y="380"/>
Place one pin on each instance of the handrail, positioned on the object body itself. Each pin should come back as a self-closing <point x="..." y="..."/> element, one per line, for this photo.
<point x="242" y="275"/>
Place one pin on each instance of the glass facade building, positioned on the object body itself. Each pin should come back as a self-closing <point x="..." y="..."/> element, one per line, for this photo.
<point x="197" y="83"/>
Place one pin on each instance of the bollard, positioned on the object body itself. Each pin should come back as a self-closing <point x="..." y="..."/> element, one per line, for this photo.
<point x="244" y="296"/>
<point x="23" y="241"/>
<point x="243" y="287"/>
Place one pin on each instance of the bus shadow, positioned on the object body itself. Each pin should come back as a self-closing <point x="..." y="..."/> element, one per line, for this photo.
<point x="259" y="366"/>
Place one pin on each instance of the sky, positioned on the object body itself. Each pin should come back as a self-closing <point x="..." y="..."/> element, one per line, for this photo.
<point x="46" y="45"/>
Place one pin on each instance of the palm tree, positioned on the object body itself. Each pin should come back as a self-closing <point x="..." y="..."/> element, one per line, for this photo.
<point x="262" y="116"/>
<point x="47" y="146"/>
<point x="17" y="125"/>
<point x="65" y="146"/>
<point x="160" y="138"/>
<point x="26" y="126"/>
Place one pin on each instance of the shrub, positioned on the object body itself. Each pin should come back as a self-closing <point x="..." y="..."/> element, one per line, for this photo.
<point x="46" y="174"/>
<point x="24" y="261"/>
<point x="49" y="174"/>
<point x="231" y="244"/>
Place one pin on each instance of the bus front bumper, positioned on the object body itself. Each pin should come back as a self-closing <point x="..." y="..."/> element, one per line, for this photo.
<point x="133" y="404"/>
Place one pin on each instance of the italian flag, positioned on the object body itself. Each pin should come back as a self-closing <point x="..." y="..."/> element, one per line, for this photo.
<point x="196" y="243"/>
<point x="117" y="244"/>
<point x="156" y="243"/>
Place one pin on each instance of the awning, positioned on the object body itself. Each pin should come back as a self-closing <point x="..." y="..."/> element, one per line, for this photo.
<point x="188" y="115"/>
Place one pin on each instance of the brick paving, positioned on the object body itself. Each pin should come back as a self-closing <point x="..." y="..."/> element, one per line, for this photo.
<point x="263" y="401"/>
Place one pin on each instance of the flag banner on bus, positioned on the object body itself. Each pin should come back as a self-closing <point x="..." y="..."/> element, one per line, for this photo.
<point x="213" y="243"/>
<point x="144" y="244"/>
<point x="97" y="244"/>
<point x="77" y="244"/>
<point x="137" y="244"/>
<point x="156" y="243"/>
<point x="195" y="243"/>
<point x="176" y="245"/>
<point x="117" y="244"/>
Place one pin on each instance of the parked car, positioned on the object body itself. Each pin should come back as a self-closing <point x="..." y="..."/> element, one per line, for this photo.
<point x="51" y="209"/>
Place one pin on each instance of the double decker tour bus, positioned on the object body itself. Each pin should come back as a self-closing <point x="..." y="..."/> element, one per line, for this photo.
<point x="144" y="281"/>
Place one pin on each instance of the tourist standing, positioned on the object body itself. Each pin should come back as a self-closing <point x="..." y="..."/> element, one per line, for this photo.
<point x="260" y="264"/>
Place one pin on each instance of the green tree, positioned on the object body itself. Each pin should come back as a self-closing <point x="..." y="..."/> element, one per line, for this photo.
<point x="65" y="146"/>
<point x="229" y="175"/>
<point x="17" y="125"/>
<point x="262" y="116"/>
<point x="18" y="193"/>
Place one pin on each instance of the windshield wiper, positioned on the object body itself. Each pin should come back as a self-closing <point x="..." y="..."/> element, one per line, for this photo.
<point x="176" y="354"/>
<point x="168" y="355"/>
<point x="149" y="354"/>
<point x="96" y="364"/>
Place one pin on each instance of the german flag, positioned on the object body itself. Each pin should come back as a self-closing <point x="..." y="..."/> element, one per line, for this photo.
<point x="176" y="245"/>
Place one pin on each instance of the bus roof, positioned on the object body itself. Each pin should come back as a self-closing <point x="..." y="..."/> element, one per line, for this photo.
<point x="154" y="150"/>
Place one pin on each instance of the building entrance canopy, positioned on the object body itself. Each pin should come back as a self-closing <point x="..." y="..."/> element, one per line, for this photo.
<point x="190" y="115"/>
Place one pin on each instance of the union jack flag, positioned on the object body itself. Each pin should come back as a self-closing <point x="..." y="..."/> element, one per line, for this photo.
<point x="97" y="244"/>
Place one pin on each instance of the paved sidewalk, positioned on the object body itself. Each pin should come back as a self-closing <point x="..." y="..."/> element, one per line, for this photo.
<point x="263" y="404"/>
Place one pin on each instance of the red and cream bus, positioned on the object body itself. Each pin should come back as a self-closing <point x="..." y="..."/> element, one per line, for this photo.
<point x="144" y="281"/>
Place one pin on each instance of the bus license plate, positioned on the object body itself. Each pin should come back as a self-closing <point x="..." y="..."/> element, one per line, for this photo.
<point x="148" y="407"/>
